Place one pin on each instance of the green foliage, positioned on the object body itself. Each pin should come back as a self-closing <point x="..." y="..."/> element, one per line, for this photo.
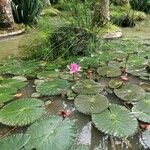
<point x="23" y="68"/>
<point x="51" y="133"/>
<point x="87" y="87"/>
<point x="91" y="104"/>
<point x="141" y="5"/>
<point x="15" y="142"/>
<point x="109" y="71"/>
<point x="80" y="147"/>
<point x="115" y="83"/>
<point x="48" y="75"/>
<point x="21" y="112"/>
<point x="54" y="87"/>
<point x="130" y="92"/>
<point x="4" y="97"/>
<point x="141" y="115"/>
<point x="144" y="104"/>
<point x="35" y="43"/>
<point x="26" y="11"/>
<point x="70" y="41"/>
<point x="11" y="85"/>
<point x="125" y="16"/>
<point x="116" y="121"/>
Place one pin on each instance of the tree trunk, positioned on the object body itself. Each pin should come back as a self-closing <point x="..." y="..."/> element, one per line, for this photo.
<point x="47" y="3"/>
<point x="6" y="17"/>
<point x="101" y="12"/>
<point x="122" y="2"/>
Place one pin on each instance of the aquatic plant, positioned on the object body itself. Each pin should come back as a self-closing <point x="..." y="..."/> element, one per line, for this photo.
<point x="53" y="133"/>
<point x="91" y="104"/>
<point x="21" y="112"/>
<point x="116" y="119"/>
<point x="15" y="141"/>
<point x="54" y="87"/>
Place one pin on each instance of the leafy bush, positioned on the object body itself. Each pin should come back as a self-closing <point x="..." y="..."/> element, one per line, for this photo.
<point x="26" y="11"/>
<point x="34" y="44"/>
<point x="141" y="5"/>
<point x="125" y="16"/>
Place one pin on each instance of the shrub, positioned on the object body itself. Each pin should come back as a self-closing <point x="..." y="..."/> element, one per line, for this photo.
<point x="26" y="11"/>
<point x="141" y="5"/>
<point x="125" y="16"/>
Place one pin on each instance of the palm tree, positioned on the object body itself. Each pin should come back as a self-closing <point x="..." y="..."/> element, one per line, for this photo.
<point x="6" y="17"/>
<point x="101" y="12"/>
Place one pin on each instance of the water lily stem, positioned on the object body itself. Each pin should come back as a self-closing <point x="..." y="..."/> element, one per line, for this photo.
<point x="113" y="146"/>
<point x="73" y="75"/>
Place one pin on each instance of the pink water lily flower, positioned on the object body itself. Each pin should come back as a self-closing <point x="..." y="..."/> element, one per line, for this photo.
<point x="74" y="68"/>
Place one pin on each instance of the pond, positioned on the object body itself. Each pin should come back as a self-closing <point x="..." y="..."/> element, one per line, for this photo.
<point x="87" y="132"/>
<point x="9" y="47"/>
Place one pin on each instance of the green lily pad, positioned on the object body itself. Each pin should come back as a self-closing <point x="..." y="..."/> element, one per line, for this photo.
<point x="140" y="115"/>
<point x="89" y="104"/>
<point x="48" y="75"/>
<point x="70" y="95"/>
<point x="109" y="71"/>
<point x="116" y="121"/>
<point x="136" y="61"/>
<point x="146" y="138"/>
<point x="4" y="97"/>
<point x="130" y="92"/>
<point x="21" y="112"/>
<point x="144" y="105"/>
<point x="138" y="71"/>
<point x="87" y="87"/>
<point x="51" y="67"/>
<point x="89" y="62"/>
<point x="115" y="83"/>
<point x="80" y="147"/>
<point x="15" y="142"/>
<point x="120" y="55"/>
<point x="51" y="133"/>
<point x="69" y="77"/>
<point x="20" y="67"/>
<point x="54" y="87"/>
<point x="11" y="85"/>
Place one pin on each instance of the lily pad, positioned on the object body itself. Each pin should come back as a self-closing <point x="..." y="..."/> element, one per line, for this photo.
<point x="22" y="112"/>
<point x="87" y="87"/>
<point x="146" y="138"/>
<point x="140" y="115"/>
<point x="20" y="67"/>
<point x="54" y="87"/>
<point x="70" y="95"/>
<point x="138" y="71"/>
<point x="80" y="147"/>
<point x="130" y="92"/>
<point x="109" y="71"/>
<point x="53" y="133"/>
<point x="4" y="97"/>
<point x="11" y="85"/>
<point x="69" y="77"/>
<point x="48" y="75"/>
<point x="115" y="83"/>
<point x="89" y="104"/>
<point x="15" y="142"/>
<point x="89" y="62"/>
<point x="116" y="121"/>
<point x="144" y="105"/>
